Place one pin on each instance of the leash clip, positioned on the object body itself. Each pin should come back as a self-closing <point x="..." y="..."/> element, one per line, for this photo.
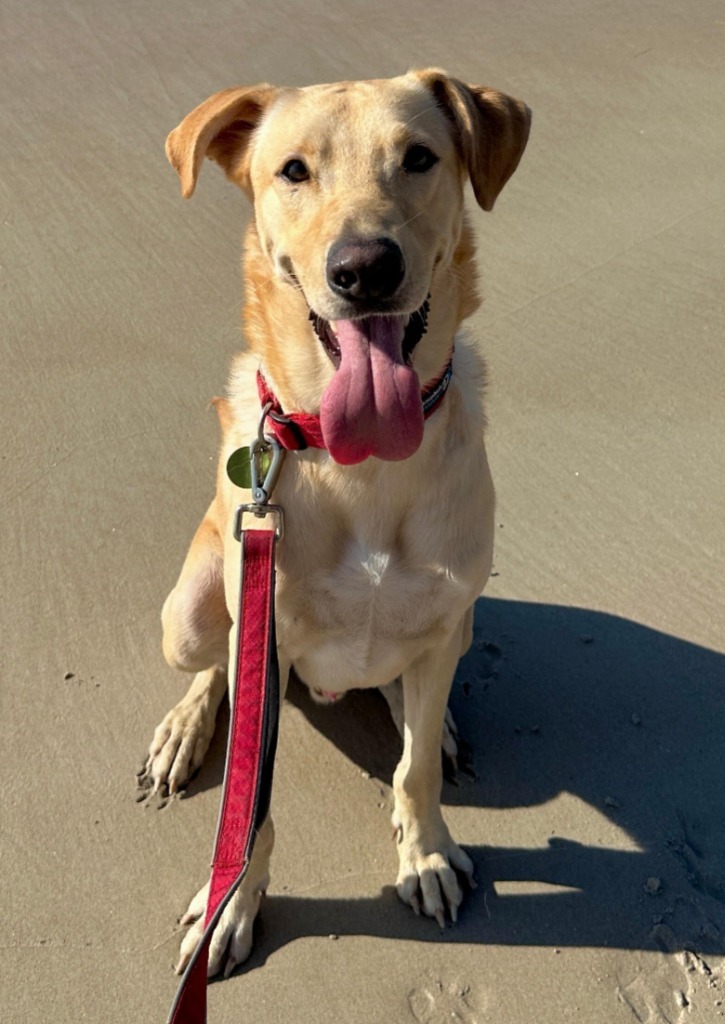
<point x="259" y="511"/>
<point x="264" y="444"/>
<point x="263" y="448"/>
<point x="264" y="483"/>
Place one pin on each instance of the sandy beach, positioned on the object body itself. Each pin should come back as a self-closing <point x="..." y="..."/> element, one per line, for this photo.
<point x="592" y="703"/>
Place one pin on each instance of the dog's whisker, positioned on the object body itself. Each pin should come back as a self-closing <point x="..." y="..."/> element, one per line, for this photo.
<point x="410" y="220"/>
<point x="420" y="113"/>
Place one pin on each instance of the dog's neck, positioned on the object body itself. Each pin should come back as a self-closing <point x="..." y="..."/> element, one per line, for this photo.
<point x="278" y="329"/>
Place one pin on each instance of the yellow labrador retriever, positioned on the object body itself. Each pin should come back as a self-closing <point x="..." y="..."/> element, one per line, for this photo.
<point x="359" y="269"/>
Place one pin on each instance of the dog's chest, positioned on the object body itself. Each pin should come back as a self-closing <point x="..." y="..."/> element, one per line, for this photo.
<point x="360" y="617"/>
<point x="381" y="592"/>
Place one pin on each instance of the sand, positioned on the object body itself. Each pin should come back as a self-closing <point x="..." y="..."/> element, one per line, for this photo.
<point x="593" y="701"/>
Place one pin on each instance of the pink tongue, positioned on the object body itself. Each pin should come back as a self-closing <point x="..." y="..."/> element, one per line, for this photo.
<point x="372" y="406"/>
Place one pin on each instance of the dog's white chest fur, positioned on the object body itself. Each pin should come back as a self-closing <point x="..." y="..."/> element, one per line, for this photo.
<point x="359" y="622"/>
<point x="389" y="583"/>
<point x="374" y="563"/>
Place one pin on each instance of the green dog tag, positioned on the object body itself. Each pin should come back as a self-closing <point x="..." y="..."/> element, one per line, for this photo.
<point x="239" y="467"/>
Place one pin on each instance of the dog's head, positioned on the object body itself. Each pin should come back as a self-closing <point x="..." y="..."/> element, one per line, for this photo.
<point x="358" y="197"/>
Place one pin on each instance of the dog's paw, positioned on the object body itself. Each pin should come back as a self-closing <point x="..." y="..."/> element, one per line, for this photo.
<point x="231" y="942"/>
<point x="427" y="878"/>
<point x="178" y="746"/>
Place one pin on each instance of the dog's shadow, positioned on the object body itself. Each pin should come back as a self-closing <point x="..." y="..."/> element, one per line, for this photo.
<point x="556" y="700"/>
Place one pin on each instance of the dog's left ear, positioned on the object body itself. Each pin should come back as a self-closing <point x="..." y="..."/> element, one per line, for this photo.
<point x="490" y="130"/>
<point x="219" y="128"/>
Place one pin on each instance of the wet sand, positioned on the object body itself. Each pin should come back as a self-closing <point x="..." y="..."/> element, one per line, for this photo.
<point x="594" y="697"/>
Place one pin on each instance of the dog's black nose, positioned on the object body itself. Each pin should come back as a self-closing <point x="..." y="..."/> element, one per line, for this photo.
<point x="362" y="269"/>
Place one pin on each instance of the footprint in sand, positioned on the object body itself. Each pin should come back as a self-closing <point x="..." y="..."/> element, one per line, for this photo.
<point x="673" y="986"/>
<point x="656" y="996"/>
<point x="439" y="1002"/>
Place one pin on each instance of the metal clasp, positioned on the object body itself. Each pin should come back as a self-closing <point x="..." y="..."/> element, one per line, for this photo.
<point x="259" y="511"/>
<point x="263" y="485"/>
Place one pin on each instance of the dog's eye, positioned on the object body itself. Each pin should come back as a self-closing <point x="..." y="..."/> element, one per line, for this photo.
<point x="295" y="171"/>
<point x="419" y="159"/>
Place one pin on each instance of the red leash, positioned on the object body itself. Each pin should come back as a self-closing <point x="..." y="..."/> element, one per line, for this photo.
<point x="250" y="755"/>
<point x="255" y="714"/>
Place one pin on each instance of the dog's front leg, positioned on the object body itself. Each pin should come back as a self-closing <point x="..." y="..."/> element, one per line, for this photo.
<point x="428" y="856"/>
<point x="231" y="942"/>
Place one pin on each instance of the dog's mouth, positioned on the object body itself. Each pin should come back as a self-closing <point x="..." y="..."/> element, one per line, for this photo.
<point x="415" y="328"/>
<point x="372" y="406"/>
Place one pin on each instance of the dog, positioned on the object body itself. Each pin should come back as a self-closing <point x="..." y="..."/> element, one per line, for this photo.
<point x="359" y="270"/>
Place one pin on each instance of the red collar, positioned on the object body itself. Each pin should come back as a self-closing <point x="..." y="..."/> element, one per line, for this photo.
<point x="296" y="431"/>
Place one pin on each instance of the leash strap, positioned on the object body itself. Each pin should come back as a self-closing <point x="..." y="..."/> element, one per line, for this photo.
<point x="250" y="757"/>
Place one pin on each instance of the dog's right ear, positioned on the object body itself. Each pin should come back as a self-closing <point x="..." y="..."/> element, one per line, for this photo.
<point x="219" y="128"/>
